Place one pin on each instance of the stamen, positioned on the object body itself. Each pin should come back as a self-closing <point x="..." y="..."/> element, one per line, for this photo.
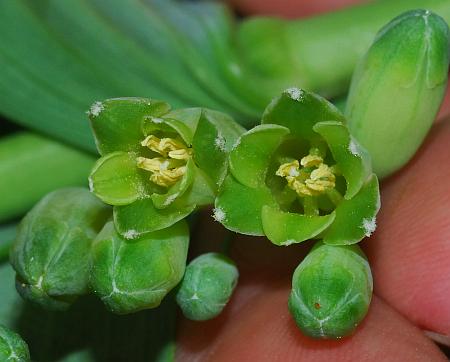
<point x="169" y="168"/>
<point x="311" y="161"/>
<point x="313" y="179"/>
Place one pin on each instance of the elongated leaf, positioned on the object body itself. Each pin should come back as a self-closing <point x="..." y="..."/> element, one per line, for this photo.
<point x="31" y="166"/>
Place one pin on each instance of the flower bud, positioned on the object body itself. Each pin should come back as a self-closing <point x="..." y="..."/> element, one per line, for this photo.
<point x="207" y="286"/>
<point x="397" y="88"/>
<point x="130" y="276"/>
<point x="51" y="251"/>
<point x="331" y="291"/>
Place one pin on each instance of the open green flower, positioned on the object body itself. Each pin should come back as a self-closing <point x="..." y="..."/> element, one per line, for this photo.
<point x="157" y="165"/>
<point x="299" y="175"/>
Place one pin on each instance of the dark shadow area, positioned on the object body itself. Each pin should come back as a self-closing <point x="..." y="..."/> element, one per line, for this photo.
<point x="7" y="127"/>
<point x="88" y="326"/>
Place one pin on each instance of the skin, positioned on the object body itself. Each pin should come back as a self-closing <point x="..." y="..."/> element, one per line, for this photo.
<point x="408" y="253"/>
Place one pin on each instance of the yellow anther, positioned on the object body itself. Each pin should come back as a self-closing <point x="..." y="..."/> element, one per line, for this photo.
<point x="168" y="177"/>
<point x="311" y="161"/>
<point x="152" y="142"/>
<point x="307" y="182"/>
<point x="169" y="168"/>
<point x="290" y="169"/>
<point x="181" y="154"/>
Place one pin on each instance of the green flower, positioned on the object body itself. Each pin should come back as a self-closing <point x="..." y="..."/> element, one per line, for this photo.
<point x="157" y="165"/>
<point x="299" y="175"/>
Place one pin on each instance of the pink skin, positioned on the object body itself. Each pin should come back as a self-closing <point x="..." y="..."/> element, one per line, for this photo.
<point x="409" y="255"/>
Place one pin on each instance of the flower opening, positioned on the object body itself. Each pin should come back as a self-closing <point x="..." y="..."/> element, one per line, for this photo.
<point x="169" y="168"/>
<point x="309" y="177"/>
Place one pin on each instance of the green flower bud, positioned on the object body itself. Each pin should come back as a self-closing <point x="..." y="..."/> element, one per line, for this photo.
<point x="12" y="347"/>
<point x="398" y="87"/>
<point x="207" y="286"/>
<point x="51" y="252"/>
<point x="130" y="276"/>
<point x="299" y="175"/>
<point x="331" y="291"/>
<point x="157" y="165"/>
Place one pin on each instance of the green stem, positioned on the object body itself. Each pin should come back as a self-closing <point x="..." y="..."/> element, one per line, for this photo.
<point x="31" y="166"/>
<point x="335" y="196"/>
<point x="310" y="206"/>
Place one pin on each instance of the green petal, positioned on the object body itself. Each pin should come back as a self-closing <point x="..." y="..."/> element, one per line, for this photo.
<point x="299" y="110"/>
<point x="117" y="123"/>
<point x="201" y="192"/>
<point x="353" y="160"/>
<point x="188" y="116"/>
<point x="141" y="217"/>
<point x="215" y="135"/>
<point x="182" y="121"/>
<point x="116" y="180"/>
<point x="285" y="228"/>
<point x="355" y="218"/>
<point x="161" y="201"/>
<point x="238" y="207"/>
<point x="228" y="128"/>
<point x="250" y="160"/>
<point x="182" y="129"/>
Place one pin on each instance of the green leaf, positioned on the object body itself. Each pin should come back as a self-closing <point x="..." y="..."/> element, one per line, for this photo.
<point x="141" y="217"/>
<point x="300" y="110"/>
<point x="238" y="207"/>
<point x="286" y="228"/>
<point x="355" y="218"/>
<point x="250" y="160"/>
<point x="161" y="201"/>
<point x="116" y="180"/>
<point x="209" y="26"/>
<point x="26" y="156"/>
<point x="117" y="123"/>
<point x="353" y="160"/>
<point x="130" y="276"/>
